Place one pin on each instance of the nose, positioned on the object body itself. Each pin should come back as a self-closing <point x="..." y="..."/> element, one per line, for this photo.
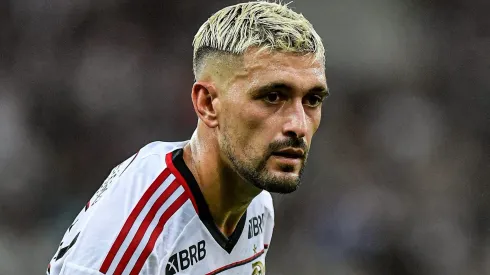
<point x="296" y="124"/>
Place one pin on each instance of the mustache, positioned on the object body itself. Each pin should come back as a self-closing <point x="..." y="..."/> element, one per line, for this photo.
<point x="297" y="143"/>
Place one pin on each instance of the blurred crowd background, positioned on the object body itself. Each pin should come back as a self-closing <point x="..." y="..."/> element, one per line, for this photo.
<point x="398" y="178"/>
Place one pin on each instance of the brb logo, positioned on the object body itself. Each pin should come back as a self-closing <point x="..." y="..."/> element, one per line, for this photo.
<point x="184" y="259"/>
<point x="255" y="225"/>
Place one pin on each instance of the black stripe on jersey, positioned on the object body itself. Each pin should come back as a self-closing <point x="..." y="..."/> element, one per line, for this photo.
<point x="227" y="243"/>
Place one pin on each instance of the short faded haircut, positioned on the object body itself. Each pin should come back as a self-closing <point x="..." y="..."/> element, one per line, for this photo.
<point x="266" y="25"/>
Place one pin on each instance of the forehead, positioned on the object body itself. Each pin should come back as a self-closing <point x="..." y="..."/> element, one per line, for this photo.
<point x="299" y="71"/>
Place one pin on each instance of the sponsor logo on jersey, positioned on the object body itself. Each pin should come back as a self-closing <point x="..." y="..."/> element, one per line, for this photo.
<point x="255" y="225"/>
<point x="258" y="268"/>
<point x="186" y="258"/>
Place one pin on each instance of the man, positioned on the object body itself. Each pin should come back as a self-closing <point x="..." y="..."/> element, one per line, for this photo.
<point x="202" y="206"/>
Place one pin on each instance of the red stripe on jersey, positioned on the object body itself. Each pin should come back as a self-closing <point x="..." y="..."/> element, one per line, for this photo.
<point x="144" y="226"/>
<point x="157" y="231"/>
<point x="178" y="176"/>
<point x="131" y="219"/>
<point x="235" y="264"/>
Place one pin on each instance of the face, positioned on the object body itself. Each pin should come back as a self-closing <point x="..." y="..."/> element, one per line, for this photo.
<point x="269" y="113"/>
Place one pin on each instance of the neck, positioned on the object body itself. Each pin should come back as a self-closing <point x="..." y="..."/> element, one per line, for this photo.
<point x="225" y="192"/>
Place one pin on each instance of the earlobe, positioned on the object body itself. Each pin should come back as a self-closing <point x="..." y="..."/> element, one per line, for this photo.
<point x="206" y="103"/>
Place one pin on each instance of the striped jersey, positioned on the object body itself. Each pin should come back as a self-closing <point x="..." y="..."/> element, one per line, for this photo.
<point x="149" y="217"/>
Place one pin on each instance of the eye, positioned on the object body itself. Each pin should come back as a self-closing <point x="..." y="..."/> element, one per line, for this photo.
<point x="272" y="97"/>
<point x="313" y="100"/>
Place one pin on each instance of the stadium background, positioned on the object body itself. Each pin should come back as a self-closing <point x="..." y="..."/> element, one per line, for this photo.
<point x="398" y="179"/>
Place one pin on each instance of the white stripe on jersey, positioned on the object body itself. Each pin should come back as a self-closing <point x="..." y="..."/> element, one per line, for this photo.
<point x="131" y="235"/>
<point x="148" y="214"/>
<point x="149" y="231"/>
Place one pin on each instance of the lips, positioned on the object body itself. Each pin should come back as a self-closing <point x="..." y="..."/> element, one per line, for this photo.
<point x="290" y="153"/>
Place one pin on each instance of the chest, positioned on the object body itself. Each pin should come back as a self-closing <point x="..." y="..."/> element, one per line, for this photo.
<point x="200" y="251"/>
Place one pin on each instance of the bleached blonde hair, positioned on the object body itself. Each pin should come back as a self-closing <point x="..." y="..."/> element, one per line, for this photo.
<point x="262" y="24"/>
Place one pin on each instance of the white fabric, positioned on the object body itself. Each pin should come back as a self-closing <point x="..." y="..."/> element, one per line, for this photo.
<point x="184" y="239"/>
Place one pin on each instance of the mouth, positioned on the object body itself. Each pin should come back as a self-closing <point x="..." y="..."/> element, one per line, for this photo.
<point x="290" y="153"/>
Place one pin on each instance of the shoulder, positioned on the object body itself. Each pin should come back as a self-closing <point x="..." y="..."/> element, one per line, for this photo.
<point x="161" y="147"/>
<point x="137" y="172"/>
<point x="264" y="199"/>
<point x="138" y="211"/>
<point x="146" y="186"/>
<point x="262" y="217"/>
<point x="149" y="163"/>
<point x="157" y="148"/>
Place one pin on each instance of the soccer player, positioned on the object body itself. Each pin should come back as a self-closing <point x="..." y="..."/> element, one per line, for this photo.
<point x="203" y="206"/>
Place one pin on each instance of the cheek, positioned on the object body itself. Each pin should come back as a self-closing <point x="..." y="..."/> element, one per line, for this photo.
<point x="251" y="118"/>
<point x="238" y="125"/>
<point x="254" y="127"/>
<point x="248" y="126"/>
<point x="315" y="119"/>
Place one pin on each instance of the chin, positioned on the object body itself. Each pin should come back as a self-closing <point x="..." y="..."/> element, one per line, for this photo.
<point x="281" y="189"/>
<point x="279" y="182"/>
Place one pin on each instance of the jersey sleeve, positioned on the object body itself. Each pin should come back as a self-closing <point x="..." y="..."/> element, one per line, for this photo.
<point x="117" y="230"/>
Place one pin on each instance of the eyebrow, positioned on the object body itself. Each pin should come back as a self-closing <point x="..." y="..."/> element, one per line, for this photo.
<point x="321" y="90"/>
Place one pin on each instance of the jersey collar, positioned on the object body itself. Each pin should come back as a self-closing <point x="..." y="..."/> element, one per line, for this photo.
<point x="227" y="243"/>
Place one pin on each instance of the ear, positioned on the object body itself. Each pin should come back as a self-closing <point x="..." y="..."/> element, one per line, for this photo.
<point x="206" y="103"/>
